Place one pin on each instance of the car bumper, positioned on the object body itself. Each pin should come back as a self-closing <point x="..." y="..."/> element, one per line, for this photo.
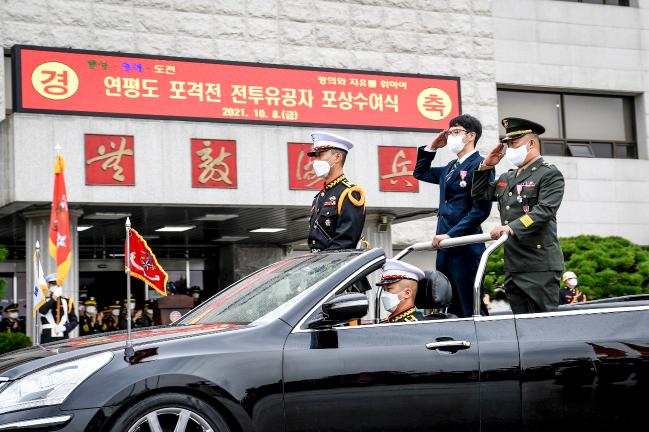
<point x="52" y="418"/>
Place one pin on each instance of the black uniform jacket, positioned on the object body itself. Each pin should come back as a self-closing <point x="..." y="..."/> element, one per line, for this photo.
<point x="410" y="315"/>
<point x="528" y="204"/>
<point x="337" y="216"/>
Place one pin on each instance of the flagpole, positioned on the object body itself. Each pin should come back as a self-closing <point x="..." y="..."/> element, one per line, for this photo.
<point x="37" y="333"/>
<point x="128" y="351"/>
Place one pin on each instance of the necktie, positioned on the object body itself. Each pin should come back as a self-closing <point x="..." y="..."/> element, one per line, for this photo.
<point x="452" y="170"/>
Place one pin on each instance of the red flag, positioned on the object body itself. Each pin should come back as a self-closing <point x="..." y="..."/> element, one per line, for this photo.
<point x="144" y="264"/>
<point x="60" y="241"/>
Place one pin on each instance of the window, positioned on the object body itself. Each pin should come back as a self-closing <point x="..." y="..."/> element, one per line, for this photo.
<point x="577" y="125"/>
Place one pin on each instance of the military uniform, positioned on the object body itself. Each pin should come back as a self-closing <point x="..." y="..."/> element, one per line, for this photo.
<point x="411" y="315"/>
<point x="57" y="312"/>
<point x="337" y="216"/>
<point x="338" y="210"/>
<point x="12" y="325"/>
<point x="571" y="296"/>
<point x="528" y="201"/>
<point x="89" y="323"/>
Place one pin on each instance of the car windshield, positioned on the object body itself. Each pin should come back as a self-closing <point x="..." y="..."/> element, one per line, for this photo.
<point x="264" y="295"/>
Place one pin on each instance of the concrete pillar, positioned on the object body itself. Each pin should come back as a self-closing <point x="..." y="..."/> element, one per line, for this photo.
<point x="237" y="261"/>
<point x="37" y="226"/>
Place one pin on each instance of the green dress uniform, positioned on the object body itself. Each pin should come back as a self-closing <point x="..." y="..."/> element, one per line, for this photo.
<point x="528" y="201"/>
<point x="337" y="216"/>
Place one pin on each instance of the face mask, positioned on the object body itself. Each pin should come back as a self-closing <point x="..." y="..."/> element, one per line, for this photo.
<point x="57" y="291"/>
<point x="116" y="312"/>
<point x="81" y="308"/>
<point x="455" y="143"/>
<point x="132" y="306"/>
<point x="196" y="295"/>
<point x="516" y="156"/>
<point x="572" y="282"/>
<point x="390" y="301"/>
<point x="91" y="310"/>
<point x="13" y="315"/>
<point x="149" y="311"/>
<point x="321" y="168"/>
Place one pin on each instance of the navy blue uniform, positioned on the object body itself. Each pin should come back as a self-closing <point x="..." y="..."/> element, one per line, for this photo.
<point x="458" y="216"/>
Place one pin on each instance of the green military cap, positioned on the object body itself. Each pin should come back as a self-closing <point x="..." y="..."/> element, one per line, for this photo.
<point x="517" y="127"/>
<point x="13" y="307"/>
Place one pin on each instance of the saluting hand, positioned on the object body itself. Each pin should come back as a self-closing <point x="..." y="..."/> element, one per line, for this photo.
<point x="440" y="140"/>
<point x="494" y="155"/>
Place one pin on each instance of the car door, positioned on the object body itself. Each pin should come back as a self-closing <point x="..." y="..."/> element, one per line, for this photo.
<point x="383" y="377"/>
<point x="584" y="369"/>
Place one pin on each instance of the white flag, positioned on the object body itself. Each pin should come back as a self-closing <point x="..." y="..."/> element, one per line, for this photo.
<point x="40" y="286"/>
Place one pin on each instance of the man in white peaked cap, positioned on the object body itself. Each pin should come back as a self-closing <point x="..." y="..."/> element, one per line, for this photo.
<point x="338" y="210"/>
<point x="399" y="282"/>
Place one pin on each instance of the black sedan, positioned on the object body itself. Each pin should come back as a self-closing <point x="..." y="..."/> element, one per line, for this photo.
<point x="295" y="347"/>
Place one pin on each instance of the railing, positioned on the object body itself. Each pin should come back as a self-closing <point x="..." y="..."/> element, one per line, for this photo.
<point x="463" y="241"/>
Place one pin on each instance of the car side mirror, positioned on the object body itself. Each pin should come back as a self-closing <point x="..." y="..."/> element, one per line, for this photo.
<point x="341" y="309"/>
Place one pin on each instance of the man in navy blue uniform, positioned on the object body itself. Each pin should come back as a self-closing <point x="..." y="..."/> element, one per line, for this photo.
<point x="458" y="214"/>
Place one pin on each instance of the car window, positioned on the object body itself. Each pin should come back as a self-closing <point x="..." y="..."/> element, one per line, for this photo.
<point x="264" y="295"/>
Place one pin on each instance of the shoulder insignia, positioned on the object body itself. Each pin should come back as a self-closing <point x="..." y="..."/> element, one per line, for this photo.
<point x="356" y="196"/>
<point x="348" y="183"/>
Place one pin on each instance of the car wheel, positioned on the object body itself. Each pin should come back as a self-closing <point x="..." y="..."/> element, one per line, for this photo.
<point x="170" y="412"/>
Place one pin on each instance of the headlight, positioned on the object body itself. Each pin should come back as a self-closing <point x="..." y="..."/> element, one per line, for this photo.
<point x="50" y="386"/>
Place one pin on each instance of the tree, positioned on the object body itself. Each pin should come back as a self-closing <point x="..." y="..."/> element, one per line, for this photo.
<point x="605" y="266"/>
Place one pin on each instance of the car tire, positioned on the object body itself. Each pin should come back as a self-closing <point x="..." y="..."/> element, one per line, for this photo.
<point x="168" y="410"/>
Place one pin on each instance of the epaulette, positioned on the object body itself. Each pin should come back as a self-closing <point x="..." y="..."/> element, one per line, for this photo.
<point x="348" y="183"/>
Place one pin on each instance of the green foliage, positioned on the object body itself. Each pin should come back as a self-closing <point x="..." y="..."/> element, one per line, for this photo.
<point x="13" y="342"/>
<point x="605" y="266"/>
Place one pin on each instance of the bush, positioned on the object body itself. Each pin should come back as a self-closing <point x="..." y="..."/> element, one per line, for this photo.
<point x="605" y="266"/>
<point x="13" y="342"/>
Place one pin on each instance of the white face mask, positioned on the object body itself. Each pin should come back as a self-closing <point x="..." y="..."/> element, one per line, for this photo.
<point x="57" y="291"/>
<point x="572" y="282"/>
<point x="116" y="312"/>
<point x="132" y="306"/>
<point x="196" y="295"/>
<point x="13" y="315"/>
<point x="91" y="310"/>
<point x="81" y="308"/>
<point x="321" y="168"/>
<point x="516" y="156"/>
<point x="149" y="311"/>
<point x="455" y="143"/>
<point x="390" y="301"/>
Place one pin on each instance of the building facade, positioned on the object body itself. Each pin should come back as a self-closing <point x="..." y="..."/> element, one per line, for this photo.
<point x="580" y="69"/>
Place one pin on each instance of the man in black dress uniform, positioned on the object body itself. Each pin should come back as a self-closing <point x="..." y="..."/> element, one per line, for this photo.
<point x="58" y="317"/>
<point x="338" y="210"/>
<point x="399" y="282"/>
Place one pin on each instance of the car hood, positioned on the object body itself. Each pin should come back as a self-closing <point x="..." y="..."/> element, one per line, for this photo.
<point x="14" y="364"/>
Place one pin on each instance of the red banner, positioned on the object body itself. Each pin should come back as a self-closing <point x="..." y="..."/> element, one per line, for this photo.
<point x="110" y="160"/>
<point x="60" y="240"/>
<point x="100" y="83"/>
<point x="214" y="163"/>
<point x="301" y="175"/>
<point x="395" y="169"/>
<point x="143" y="263"/>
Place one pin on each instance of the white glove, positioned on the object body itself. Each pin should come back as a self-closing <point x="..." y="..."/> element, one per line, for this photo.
<point x="60" y="328"/>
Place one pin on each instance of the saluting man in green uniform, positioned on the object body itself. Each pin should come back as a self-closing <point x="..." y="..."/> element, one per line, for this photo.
<point x="528" y="200"/>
